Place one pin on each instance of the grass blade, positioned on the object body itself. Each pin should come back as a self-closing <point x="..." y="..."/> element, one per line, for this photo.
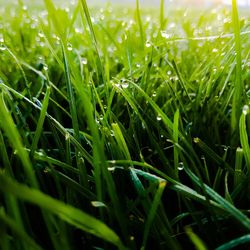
<point x="67" y="213"/>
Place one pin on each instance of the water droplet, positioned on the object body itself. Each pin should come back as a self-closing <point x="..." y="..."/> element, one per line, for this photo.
<point x="40" y="34"/>
<point x="215" y="50"/>
<point x="125" y="85"/>
<point x="245" y="109"/>
<point x="148" y="44"/>
<point x="84" y="61"/>
<point x="154" y="94"/>
<point x="164" y="34"/>
<point x="37" y="102"/>
<point x="97" y="204"/>
<point x="196" y="140"/>
<point x="158" y="118"/>
<point x="2" y="47"/>
<point x="181" y="166"/>
<point x="45" y="67"/>
<point x="111" y="169"/>
<point x="69" y="48"/>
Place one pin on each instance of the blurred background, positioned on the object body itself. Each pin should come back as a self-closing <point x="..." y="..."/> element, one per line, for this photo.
<point x="205" y="3"/>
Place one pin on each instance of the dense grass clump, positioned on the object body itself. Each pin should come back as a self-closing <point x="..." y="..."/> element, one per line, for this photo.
<point x="124" y="127"/>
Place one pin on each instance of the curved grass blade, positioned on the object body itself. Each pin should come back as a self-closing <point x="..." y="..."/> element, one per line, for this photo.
<point x="67" y="213"/>
<point x="225" y="205"/>
<point x="235" y="243"/>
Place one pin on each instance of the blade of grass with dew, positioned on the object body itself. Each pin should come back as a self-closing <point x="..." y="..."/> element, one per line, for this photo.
<point x="99" y="161"/>
<point x="238" y="83"/>
<point x="138" y="17"/>
<point x="72" y="103"/>
<point x="228" y="207"/>
<point x="56" y="124"/>
<point x="238" y="166"/>
<point x="92" y="32"/>
<point x="244" y="137"/>
<point x="120" y="140"/>
<point x="175" y="139"/>
<point x="7" y="124"/>
<point x="40" y="122"/>
<point x="154" y="206"/>
<point x="55" y="16"/>
<point x="213" y="155"/>
<point x="67" y="213"/>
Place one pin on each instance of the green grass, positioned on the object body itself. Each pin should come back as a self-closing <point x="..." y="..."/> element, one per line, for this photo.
<point x="124" y="127"/>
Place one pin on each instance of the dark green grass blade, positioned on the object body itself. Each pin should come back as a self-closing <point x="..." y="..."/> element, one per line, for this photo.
<point x="235" y="243"/>
<point x="225" y="205"/>
<point x="67" y="213"/>
<point x="40" y="122"/>
<point x="17" y="231"/>
<point x="8" y="126"/>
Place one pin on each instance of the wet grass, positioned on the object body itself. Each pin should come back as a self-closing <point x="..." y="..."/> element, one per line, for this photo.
<point x="124" y="127"/>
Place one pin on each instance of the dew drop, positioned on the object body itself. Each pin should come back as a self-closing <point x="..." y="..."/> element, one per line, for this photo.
<point x="84" y="61"/>
<point x="124" y="85"/>
<point x="69" y="48"/>
<point x="97" y="204"/>
<point x="111" y="169"/>
<point x="164" y="34"/>
<point x="158" y="118"/>
<point x="2" y="48"/>
<point x="181" y="166"/>
<point x="148" y="44"/>
<point x="245" y="109"/>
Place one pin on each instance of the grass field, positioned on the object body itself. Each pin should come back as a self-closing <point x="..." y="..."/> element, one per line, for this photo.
<point x="124" y="127"/>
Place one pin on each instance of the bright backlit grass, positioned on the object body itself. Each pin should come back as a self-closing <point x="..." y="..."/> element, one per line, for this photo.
<point x="124" y="127"/>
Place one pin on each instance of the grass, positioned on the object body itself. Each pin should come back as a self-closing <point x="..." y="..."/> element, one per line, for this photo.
<point x="124" y="127"/>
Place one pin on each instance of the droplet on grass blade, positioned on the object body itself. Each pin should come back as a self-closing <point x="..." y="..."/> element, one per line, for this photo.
<point x="124" y="85"/>
<point x="181" y="166"/>
<point x="245" y="109"/>
<point x="69" y="48"/>
<point x="84" y="61"/>
<point x="97" y="204"/>
<point x="158" y="118"/>
<point x="2" y="47"/>
<point x="148" y="44"/>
